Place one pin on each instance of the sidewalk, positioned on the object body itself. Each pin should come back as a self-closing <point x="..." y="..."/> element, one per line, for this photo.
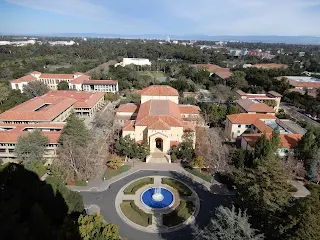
<point x="98" y="185"/>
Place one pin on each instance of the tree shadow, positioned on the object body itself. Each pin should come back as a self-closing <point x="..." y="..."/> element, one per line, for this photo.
<point x="209" y="201"/>
<point x="33" y="209"/>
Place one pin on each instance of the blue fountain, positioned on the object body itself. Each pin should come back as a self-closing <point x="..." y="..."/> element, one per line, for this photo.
<point x="157" y="198"/>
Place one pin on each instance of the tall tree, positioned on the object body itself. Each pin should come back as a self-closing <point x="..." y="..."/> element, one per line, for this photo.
<point x="63" y="85"/>
<point x="4" y="92"/>
<point x="35" y="89"/>
<point x="31" y="147"/>
<point x="230" y="224"/>
<point x="238" y="80"/>
<point x="75" y="130"/>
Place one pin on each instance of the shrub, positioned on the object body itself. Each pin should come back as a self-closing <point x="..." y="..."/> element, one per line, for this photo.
<point x="135" y="214"/>
<point x="225" y="179"/>
<point x="37" y="167"/>
<point x="133" y="187"/>
<point x="180" y="214"/>
<point x="179" y="186"/>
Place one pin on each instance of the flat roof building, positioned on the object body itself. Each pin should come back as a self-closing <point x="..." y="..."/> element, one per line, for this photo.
<point x="301" y="82"/>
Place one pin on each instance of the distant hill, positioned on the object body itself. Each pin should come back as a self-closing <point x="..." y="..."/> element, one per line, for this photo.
<point x="264" y="39"/>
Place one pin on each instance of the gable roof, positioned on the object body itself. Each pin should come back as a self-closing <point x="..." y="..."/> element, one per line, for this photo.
<point x="159" y="90"/>
<point x="253" y="106"/>
<point x="27" y="78"/>
<point x="189" y="109"/>
<point x="129" y="107"/>
<point x="247" y="118"/>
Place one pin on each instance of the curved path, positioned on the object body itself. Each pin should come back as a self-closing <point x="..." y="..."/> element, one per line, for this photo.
<point x="106" y="201"/>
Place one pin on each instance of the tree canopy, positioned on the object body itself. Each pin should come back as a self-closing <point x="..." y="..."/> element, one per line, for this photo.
<point x="63" y="85"/>
<point x="35" y="89"/>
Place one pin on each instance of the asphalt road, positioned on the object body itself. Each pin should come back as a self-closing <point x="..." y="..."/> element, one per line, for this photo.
<point x="294" y="112"/>
<point x="106" y="201"/>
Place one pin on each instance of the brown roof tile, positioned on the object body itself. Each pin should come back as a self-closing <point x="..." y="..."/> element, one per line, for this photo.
<point x="159" y="90"/>
<point x="246" y="118"/>
<point x="27" y="78"/>
<point x="129" y="108"/>
<point x="189" y="109"/>
<point x="252" y="106"/>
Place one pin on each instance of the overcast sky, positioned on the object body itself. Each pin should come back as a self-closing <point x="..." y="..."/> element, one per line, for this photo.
<point x="179" y="17"/>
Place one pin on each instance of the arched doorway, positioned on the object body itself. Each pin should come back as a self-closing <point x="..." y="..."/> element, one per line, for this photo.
<point x="159" y="143"/>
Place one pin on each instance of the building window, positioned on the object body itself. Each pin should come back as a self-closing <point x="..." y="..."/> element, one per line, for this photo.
<point x="248" y="126"/>
<point x="239" y="126"/>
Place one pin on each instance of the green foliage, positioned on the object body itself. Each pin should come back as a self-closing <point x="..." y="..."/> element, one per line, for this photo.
<point x="31" y="147"/>
<point x="131" y="98"/>
<point x="4" y="92"/>
<point x="113" y="173"/>
<point x="115" y="163"/>
<point x="214" y="114"/>
<point x="35" y="89"/>
<point x="75" y="130"/>
<point x="63" y="85"/>
<point x="111" y="97"/>
<point x="14" y="98"/>
<point x="81" y="183"/>
<point x="125" y="146"/>
<point x="36" y="167"/>
<point x="263" y="148"/>
<point x="182" y="189"/>
<point x="185" y="149"/>
<point x="275" y="141"/>
<point x="238" y="80"/>
<point x="179" y="215"/>
<point x="240" y="158"/>
<point x="135" y="214"/>
<point x="270" y="102"/>
<point x="198" y="162"/>
<point x="203" y="176"/>
<point x="133" y="187"/>
<point x="95" y="228"/>
<point x="230" y="224"/>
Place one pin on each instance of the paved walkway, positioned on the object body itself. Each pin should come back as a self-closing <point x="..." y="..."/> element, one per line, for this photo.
<point x="97" y="185"/>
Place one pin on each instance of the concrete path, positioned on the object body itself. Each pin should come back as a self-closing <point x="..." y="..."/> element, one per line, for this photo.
<point x="97" y="186"/>
<point x="302" y="190"/>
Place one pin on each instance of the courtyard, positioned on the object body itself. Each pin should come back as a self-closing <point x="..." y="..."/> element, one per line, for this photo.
<point x="205" y="198"/>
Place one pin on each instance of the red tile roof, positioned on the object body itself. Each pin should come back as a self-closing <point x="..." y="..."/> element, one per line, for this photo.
<point x="246" y="118"/>
<point x="159" y="124"/>
<point x="189" y="109"/>
<point x="79" y="80"/>
<point x="287" y="140"/>
<point x="252" y="106"/>
<point x="56" y="76"/>
<point x="128" y="126"/>
<point x="9" y="133"/>
<point x="100" y="82"/>
<point x="304" y="84"/>
<point x="270" y="65"/>
<point x="262" y="126"/>
<point x="27" y="78"/>
<point x="57" y="101"/>
<point x="159" y="90"/>
<point x="128" y="108"/>
<point x="223" y="73"/>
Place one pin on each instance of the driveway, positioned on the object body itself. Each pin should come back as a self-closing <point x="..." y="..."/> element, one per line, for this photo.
<point x="106" y="201"/>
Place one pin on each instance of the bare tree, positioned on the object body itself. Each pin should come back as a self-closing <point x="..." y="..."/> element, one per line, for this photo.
<point x="294" y="166"/>
<point x="209" y="144"/>
<point x="35" y="89"/>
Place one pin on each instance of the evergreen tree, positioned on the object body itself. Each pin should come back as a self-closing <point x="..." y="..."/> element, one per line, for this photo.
<point x="230" y="224"/>
<point x="63" y="85"/>
<point x="262" y="147"/>
<point x="275" y="140"/>
<point x="31" y="147"/>
<point x="186" y="151"/>
<point x="76" y="130"/>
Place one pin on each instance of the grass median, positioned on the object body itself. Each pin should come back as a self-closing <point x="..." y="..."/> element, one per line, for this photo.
<point x="133" y="187"/>
<point x="179" y="215"/>
<point x="135" y="214"/>
<point x="112" y="173"/>
<point x="182" y="189"/>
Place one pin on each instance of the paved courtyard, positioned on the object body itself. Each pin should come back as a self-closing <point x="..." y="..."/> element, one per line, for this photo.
<point x="210" y="199"/>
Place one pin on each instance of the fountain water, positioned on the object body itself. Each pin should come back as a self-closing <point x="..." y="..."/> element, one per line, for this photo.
<point x="157" y="195"/>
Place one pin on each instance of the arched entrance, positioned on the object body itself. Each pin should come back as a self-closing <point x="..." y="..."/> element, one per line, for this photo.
<point x="159" y="144"/>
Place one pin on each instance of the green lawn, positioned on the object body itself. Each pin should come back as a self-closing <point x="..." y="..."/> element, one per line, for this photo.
<point x="133" y="187"/>
<point x="179" y="215"/>
<point x="203" y="176"/>
<point x="180" y="187"/>
<point x="111" y="173"/>
<point x="81" y="183"/>
<point x="153" y="74"/>
<point x="135" y="214"/>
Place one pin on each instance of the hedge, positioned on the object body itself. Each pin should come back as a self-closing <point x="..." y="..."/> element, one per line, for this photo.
<point x="112" y="173"/>
<point x="133" y="187"/>
<point x="179" y="215"/>
<point x="135" y="214"/>
<point x="180" y="187"/>
<point x="205" y="177"/>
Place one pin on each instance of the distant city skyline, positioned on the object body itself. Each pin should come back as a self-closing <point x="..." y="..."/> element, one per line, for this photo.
<point x="167" y="17"/>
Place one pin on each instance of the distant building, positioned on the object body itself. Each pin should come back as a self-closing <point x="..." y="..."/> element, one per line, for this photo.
<point x="222" y="73"/>
<point x="77" y="81"/>
<point x="270" y="66"/>
<point x="302" y="82"/>
<point x="62" y="43"/>
<point x="262" y="98"/>
<point x="248" y="128"/>
<point x="253" y="106"/>
<point x="238" y="52"/>
<point x="134" y="61"/>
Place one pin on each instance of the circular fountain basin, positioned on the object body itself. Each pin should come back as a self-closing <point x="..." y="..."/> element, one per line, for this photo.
<point x="157" y="200"/>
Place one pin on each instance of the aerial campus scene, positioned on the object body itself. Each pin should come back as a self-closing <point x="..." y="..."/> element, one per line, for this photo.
<point x="150" y="120"/>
